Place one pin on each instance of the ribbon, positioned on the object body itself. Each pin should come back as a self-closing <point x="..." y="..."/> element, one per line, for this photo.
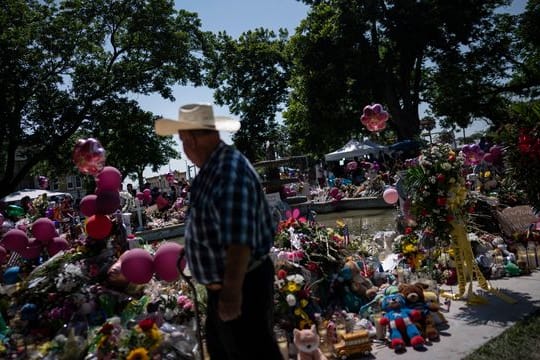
<point x="467" y="270"/>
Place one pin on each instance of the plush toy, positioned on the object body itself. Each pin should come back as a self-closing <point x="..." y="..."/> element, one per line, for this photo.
<point x="307" y="344"/>
<point x="416" y="299"/>
<point x="400" y="319"/>
<point x="434" y="307"/>
<point x="359" y="284"/>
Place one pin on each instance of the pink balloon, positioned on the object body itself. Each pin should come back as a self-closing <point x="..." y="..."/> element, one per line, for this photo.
<point x="140" y="196"/>
<point x="43" y="182"/>
<point x="88" y="205"/>
<point x="33" y="250"/>
<point x="56" y="245"/>
<point x="147" y="192"/>
<point x="109" y="179"/>
<point x="107" y="202"/>
<point x="488" y="158"/>
<point x="15" y="240"/>
<point x="390" y="196"/>
<point x="334" y="192"/>
<point x="89" y="156"/>
<point x="166" y="260"/>
<point x="352" y="165"/>
<point x="466" y="149"/>
<point x="44" y="230"/>
<point x="137" y="266"/>
<point x="3" y="254"/>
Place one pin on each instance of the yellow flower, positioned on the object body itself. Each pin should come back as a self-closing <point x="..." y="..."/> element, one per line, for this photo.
<point x="155" y="333"/>
<point x="138" y="354"/>
<point x="303" y="303"/>
<point x="292" y="286"/>
<point x="409" y="248"/>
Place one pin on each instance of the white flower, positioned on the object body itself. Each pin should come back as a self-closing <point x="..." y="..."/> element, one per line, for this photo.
<point x="291" y="300"/>
<point x="446" y="166"/>
<point x="297" y="278"/>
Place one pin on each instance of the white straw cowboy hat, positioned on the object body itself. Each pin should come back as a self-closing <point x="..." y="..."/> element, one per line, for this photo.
<point x="196" y="117"/>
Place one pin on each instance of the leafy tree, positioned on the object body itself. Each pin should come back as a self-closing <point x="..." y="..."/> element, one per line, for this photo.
<point x="60" y="60"/>
<point x="350" y="54"/>
<point x="481" y="80"/>
<point x="130" y="141"/>
<point x="250" y="75"/>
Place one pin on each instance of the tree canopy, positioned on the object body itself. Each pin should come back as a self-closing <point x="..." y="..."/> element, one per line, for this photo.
<point x="61" y="61"/>
<point x="250" y="75"/>
<point x="350" y="54"/>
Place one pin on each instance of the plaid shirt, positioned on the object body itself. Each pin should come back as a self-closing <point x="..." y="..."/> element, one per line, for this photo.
<point x="227" y="206"/>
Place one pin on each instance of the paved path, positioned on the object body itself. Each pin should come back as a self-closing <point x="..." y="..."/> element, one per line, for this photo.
<point x="473" y="325"/>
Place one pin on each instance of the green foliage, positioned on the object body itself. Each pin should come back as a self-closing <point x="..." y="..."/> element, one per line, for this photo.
<point x="347" y="55"/>
<point x="60" y="61"/>
<point x="250" y="75"/>
<point x="522" y="152"/>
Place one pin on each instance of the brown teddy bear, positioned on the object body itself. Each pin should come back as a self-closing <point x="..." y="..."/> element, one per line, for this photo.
<point x="360" y="284"/>
<point x="433" y="305"/>
<point x="414" y="296"/>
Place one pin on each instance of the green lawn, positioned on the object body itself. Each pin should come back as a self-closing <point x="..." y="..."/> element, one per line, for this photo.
<point x="521" y="341"/>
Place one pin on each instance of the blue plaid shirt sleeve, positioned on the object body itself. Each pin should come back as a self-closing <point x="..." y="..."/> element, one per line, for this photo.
<point x="239" y="204"/>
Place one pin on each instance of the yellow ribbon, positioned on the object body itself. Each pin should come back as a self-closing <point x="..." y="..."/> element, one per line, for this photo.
<point x="467" y="270"/>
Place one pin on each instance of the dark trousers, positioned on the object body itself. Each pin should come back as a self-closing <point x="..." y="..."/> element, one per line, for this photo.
<point x="251" y="336"/>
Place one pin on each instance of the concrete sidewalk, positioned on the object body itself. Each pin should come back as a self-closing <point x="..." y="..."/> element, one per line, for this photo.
<point x="470" y="326"/>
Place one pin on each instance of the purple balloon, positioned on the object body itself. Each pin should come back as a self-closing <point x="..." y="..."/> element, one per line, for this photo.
<point x="43" y="229"/>
<point x="56" y="245"/>
<point x="88" y="205"/>
<point x="107" y="202"/>
<point x="109" y="178"/>
<point x="33" y="250"/>
<point x="15" y="240"/>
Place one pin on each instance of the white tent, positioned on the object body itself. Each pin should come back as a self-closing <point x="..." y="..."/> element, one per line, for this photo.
<point x="355" y="148"/>
<point x="32" y="193"/>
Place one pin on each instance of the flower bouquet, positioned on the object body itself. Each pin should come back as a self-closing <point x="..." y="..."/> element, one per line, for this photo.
<point x="437" y="191"/>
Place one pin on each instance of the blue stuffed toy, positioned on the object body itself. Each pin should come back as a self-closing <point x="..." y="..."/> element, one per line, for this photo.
<point x="400" y="321"/>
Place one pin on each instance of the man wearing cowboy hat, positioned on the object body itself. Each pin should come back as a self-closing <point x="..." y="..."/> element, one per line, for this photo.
<point x="229" y="232"/>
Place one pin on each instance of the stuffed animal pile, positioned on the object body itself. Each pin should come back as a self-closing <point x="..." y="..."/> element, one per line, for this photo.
<point x="400" y="321"/>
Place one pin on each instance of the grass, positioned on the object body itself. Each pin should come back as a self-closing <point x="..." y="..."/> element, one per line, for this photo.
<point x="521" y="341"/>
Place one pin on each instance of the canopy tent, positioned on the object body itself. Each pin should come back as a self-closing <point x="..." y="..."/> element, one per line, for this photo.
<point x="355" y="148"/>
<point x="32" y="193"/>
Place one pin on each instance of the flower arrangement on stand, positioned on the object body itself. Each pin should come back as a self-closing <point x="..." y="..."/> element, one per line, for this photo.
<point x="438" y="200"/>
<point x="437" y="190"/>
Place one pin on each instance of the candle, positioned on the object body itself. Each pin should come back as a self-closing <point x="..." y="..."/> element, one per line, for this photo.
<point x="283" y="348"/>
<point x="380" y="330"/>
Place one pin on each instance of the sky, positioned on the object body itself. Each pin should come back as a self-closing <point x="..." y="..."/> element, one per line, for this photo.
<point x="236" y="17"/>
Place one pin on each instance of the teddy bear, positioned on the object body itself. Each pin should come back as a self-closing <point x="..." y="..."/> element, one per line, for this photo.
<point x="307" y="344"/>
<point x="433" y="305"/>
<point x="414" y="298"/>
<point x="359" y="284"/>
<point x="400" y="321"/>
